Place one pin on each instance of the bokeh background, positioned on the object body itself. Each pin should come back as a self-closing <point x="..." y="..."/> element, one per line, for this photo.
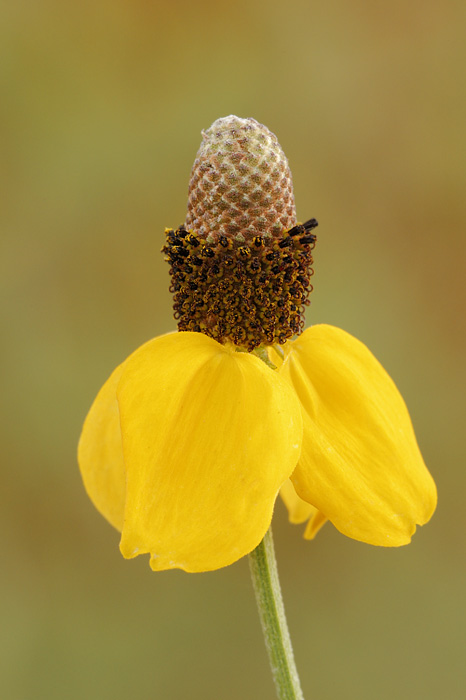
<point x="102" y="104"/>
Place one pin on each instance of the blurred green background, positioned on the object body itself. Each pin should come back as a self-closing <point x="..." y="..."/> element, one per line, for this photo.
<point x="101" y="108"/>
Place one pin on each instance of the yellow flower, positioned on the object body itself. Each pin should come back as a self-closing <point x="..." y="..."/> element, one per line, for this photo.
<point x="189" y="442"/>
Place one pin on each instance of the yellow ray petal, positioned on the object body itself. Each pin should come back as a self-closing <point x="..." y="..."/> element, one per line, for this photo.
<point x="299" y="511"/>
<point x="100" y="454"/>
<point x="360" y="464"/>
<point x="314" y="524"/>
<point x="209" y="436"/>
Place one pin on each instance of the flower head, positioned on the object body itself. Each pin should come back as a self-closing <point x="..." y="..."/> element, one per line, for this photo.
<point x="191" y="439"/>
<point x="241" y="265"/>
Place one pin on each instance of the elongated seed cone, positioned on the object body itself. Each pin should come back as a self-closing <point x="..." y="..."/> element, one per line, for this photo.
<point x="240" y="184"/>
<point x="241" y="265"/>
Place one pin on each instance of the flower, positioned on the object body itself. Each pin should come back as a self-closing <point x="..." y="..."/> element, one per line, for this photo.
<point x="191" y="439"/>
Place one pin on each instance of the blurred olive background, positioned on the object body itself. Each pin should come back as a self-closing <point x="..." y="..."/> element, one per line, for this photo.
<point x="102" y="104"/>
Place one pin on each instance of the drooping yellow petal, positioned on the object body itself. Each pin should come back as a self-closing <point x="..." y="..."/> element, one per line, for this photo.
<point x="360" y="464"/>
<point x="299" y="511"/>
<point x="209" y="436"/>
<point x="100" y="454"/>
<point x="315" y="522"/>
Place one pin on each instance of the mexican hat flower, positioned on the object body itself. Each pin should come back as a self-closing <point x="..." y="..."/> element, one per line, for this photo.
<point x="192" y="438"/>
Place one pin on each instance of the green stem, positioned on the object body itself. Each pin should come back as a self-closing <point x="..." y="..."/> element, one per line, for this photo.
<point x="264" y="574"/>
